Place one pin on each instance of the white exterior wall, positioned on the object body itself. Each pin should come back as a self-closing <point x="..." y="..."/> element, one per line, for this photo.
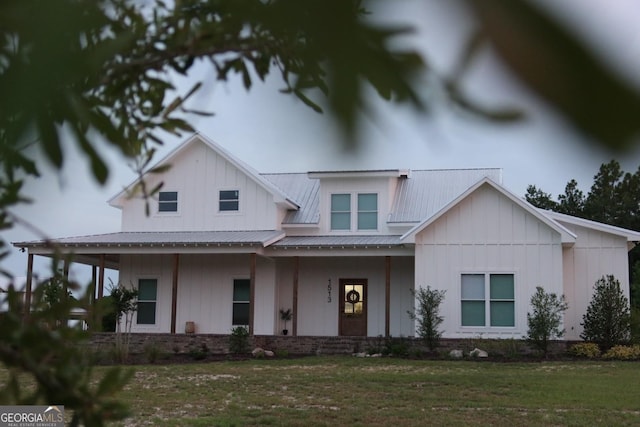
<point x="205" y="290"/>
<point x="317" y="316"/>
<point x="595" y="254"/>
<point x="488" y="233"/>
<point x="198" y="173"/>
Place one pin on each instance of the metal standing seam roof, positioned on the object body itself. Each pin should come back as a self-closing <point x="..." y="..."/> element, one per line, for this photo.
<point x="417" y="197"/>
<point x="425" y="192"/>
<point x="147" y="238"/>
<point x="304" y="191"/>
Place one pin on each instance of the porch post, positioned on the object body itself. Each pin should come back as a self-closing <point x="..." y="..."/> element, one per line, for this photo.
<point x="65" y="275"/>
<point x="252" y="290"/>
<point x="174" y="292"/>
<point x="27" y="291"/>
<point x="296" y="275"/>
<point x="387" y="296"/>
<point x="101" y="277"/>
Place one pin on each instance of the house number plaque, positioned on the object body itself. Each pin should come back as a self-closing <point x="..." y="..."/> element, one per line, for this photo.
<point x="329" y="291"/>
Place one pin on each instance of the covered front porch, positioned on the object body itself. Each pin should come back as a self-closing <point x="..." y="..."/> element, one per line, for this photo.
<point x="209" y="286"/>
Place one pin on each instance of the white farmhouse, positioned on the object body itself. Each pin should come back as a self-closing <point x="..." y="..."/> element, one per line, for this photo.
<point x="225" y="245"/>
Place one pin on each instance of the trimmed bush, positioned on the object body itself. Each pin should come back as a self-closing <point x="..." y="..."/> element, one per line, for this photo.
<point x="623" y="352"/>
<point x="589" y="350"/>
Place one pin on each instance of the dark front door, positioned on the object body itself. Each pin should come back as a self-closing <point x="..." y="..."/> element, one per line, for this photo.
<point x="353" y="307"/>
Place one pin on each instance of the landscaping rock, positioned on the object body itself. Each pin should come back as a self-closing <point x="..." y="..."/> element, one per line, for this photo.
<point x="269" y="353"/>
<point x="476" y="352"/>
<point x="362" y="354"/>
<point x="257" y="352"/>
<point x="456" y="354"/>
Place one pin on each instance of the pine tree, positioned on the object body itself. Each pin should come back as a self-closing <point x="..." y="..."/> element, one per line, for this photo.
<point x="607" y="321"/>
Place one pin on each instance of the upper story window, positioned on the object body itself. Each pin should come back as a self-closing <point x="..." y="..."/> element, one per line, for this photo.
<point x="488" y="299"/>
<point x="168" y="201"/>
<point x="367" y="211"/>
<point x="229" y="200"/>
<point x="341" y="211"/>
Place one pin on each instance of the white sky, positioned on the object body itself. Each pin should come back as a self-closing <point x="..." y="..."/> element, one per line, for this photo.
<point x="276" y="133"/>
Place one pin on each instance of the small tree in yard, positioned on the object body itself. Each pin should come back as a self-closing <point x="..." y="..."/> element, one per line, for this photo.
<point x="607" y="321"/>
<point x="545" y="321"/>
<point x="125" y="304"/>
<point x="428" y="315"/>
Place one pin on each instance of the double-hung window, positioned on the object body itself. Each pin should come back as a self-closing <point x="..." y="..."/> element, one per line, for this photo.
<point x="368" y="211"/>
<point x="366" y="217"/>
<point x="341" y="211"/>
<point x="488" y="299"/>
<point x="168" y="201"/>
<point x="241" y="302"/>
<point x="147" y="300"/>
<point x="229" y="201"/>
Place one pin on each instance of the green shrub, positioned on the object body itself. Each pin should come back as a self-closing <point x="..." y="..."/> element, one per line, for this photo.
<point x="152" y="352"/>
<point x="623" y="352"/>
<point x="589" y="350"/>
<point x="546" y="320"/>
<point x="283" y="353"/>
<point x="239" y="340"/>
<point x="607" y="321"/>
<point x="398" y="347"/>
<point x="427" y="314"/>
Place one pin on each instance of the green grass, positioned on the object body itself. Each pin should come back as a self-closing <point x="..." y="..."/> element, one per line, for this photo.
<point x="335" y="391"/>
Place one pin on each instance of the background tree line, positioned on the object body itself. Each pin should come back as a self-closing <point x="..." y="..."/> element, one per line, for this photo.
<point x="614" y="199"/>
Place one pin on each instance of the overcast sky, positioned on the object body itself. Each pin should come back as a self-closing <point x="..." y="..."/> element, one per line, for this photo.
<point x="276" y="133"/>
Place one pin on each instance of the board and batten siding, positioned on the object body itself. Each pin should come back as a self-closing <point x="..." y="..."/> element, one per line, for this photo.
<point x="595" y="254"/>
<point x="198" y="174"/>
<point x="318" y="316"/>
<point x="205" y="290"/>
<point x="488" y="233"/>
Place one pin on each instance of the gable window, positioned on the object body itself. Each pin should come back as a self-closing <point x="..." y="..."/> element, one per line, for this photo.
<point x="367" y="211"/>
<point x="229" y="200"/>
<point x="241" y="301"/>
<point x="488" y="299"/>
<point x="168" y="201"/>
<point x="341" y="211"/>
<point x="147" y="299"/>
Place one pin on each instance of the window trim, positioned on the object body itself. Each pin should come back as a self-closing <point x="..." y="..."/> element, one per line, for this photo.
<point x="487" y="300"/>
<point x="155" y="302"/>
<point x="362" y="211"/>
<point x="354" y="212"/>
<point x="177" y="202"/>
<point x="234" y="302"/>
<point x="220" y="201"/>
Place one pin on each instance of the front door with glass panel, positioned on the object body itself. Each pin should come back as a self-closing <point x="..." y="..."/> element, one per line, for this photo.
<point x="353" y="307"/>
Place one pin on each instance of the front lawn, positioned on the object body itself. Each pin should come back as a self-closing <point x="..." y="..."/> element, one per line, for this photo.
<point x="335" y="391"/>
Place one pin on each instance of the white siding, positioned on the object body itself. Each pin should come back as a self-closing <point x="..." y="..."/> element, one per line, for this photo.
<point x="205" y="290"/>
<point x="198" y="174"/>
<point x="318" y="316"/>
<point x="488" y="233"/>
<point x="595" y="254"/>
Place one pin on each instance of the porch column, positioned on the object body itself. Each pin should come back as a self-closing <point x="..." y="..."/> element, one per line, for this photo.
<point x="174" y="292"/>
<point x="387" y="296"/>
<point x="296" y="275"/>
<point x="101" y="277"/>
<point x="27" y="291"/>
<point x="65" y="276"/>
<point x="252" y="290"/>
